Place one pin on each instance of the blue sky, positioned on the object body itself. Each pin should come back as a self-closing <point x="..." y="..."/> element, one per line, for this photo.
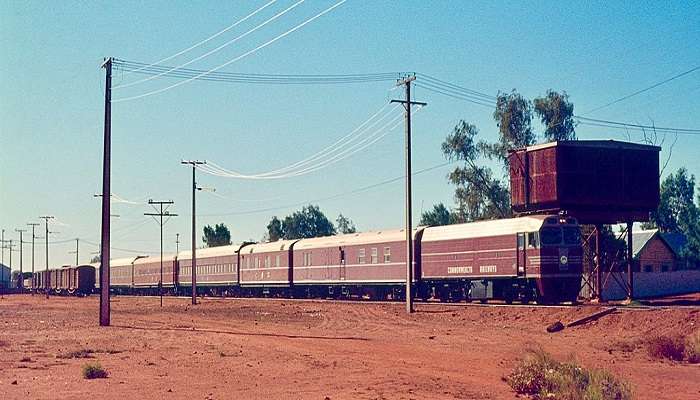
<point x="51" y="107"/>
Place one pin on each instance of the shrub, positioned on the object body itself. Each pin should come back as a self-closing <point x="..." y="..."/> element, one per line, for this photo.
<point x="94" y="371"/>
<point x="670" y="347"/>
<point x="692" y="348"/>
<point x="541" y="376"/>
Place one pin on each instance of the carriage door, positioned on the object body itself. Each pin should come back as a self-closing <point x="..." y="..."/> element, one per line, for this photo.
<point x="521" y="254"/>
<point x="342" y="263"/>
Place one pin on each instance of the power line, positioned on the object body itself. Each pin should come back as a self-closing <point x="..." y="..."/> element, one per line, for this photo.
<point x="444" y="90"/>
<point x="343" y="194"/>
<point x="210" y="37"/>
<point x="317" y="161"/>
<point x="617" y="124"/>
<point x="249" y="52"/>
<point x="260" y="79"/>
<point x="644" y="90"/>
<point x="454" y="96"/>
<point x="230" y="42"/>
<point x="472" y="92"/>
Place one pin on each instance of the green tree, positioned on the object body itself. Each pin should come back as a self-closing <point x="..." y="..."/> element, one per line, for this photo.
<point x="556" y="113"/>
<point x="513" y="116"/>
<point x="219" y="235"/>
<point x="438" y="216"/>
<point x="345" y="224"/>
<point x="676" y="212"/>
<point x="95" y="259"/>
<point x="478" y="194"/>
<point x="274" y="230"/>
<point x="307" y="223"/>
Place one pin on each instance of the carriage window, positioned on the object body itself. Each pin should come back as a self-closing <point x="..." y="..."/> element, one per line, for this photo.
<point x="374" y="255"/>
<point x="361" y="256"/>
<point x="533" y="240"/>
<point x="267" y="261"/>
<point x="387" y="254"/>
<point x="550" y="236"/>
<point x="277" y="261"/>
<point x="572" y="235"/>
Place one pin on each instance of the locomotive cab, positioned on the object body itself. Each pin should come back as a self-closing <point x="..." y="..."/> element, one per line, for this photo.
<point x="553" y="258"/>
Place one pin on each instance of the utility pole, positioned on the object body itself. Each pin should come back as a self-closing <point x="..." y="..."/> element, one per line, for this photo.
<point x="194" y="164"/>
<point x="2" y="269"/>
<point x="161" y="214"/>
<point x="33" y="225"/>
<point x="21" y="272"/>
<point x="407" y="103"/>
<point x="106" y="196"/>
<point x="177" y="243"/>
<point x="3" y="246"/>
<point x="46" y="219"/>
<point x="76" y="252"/>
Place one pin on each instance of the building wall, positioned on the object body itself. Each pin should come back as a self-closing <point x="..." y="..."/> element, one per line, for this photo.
<point x="655" y="284"/>
<point x="656" y="257"/>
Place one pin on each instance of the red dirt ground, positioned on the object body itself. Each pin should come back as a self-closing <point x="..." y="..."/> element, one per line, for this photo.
<point x="281" y="349"/>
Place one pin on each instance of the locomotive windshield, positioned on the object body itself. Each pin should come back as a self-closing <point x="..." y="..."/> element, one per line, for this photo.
<point x="555" y="236"/>
<point x="550" y="236"/>
<point x="572" y="235"/>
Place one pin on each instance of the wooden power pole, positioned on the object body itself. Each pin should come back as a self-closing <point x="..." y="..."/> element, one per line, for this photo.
<point x="407" y="103"/>
<point x="106" y="197"/>
<point x="33" y="225"/>
<point x="194" y="164"/>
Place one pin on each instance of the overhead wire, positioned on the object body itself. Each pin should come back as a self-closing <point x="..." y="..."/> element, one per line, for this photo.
<point x="269" y="42"/>
<point x="214" y="169"/>
<point x="643" y="90"/>
<point x="270" y="79"/>
<point x="217" y="34"/>
<point x="210" y="52"/>
<point x="339" y="195"/>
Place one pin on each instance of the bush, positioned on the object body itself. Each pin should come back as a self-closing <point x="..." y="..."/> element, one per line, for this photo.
<point x="670" y="347"/>
<point x="692" y="348"/>
<point x="94" y="371"/>
<point x="541" y="376"/>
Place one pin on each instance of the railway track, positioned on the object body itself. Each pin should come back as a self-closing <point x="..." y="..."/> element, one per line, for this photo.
<point x="621" y="307"/>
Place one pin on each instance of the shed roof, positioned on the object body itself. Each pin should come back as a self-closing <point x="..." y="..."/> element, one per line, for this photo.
<point x="674" y="241"/>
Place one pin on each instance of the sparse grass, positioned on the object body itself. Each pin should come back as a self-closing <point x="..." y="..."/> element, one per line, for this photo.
<point x="541" y="376"/>
<point x="83" y="353"/>
<point x="4" y="343"/>
<point x="94" y="371"/>
<point x="668" y="347"/>
<point x="25" y="359"/>
<point x="692" y="348"/>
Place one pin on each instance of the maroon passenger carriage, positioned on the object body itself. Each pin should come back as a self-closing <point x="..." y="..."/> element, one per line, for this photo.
<point x="217" y="270"/>
<point x="371" y="264"/>
<point x="266" y="268"/>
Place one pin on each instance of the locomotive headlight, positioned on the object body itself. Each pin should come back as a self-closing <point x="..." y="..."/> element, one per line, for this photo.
<point x="563" y="260"/>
